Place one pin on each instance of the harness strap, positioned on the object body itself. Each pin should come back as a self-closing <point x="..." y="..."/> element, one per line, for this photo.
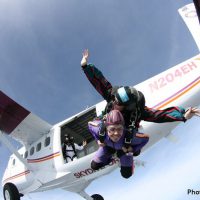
<point x="71" y="158"/>
<point x="70" y="150"/>
<point x="102" y="133"/>
<point x="129" y="135"/>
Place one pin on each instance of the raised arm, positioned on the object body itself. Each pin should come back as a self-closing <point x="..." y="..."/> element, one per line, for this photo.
<point x="96" y="78"/>
<point x="170" y="114"/>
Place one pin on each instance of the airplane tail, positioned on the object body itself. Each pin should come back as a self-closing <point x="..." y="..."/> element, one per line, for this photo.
<point x="191" y="17"/>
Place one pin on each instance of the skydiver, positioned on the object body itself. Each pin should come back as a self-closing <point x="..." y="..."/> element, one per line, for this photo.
<point x="70" y="148"/>
<point x="131" y="103"/>
<point x="114" y="139"/>
<point x="115" y="132"/>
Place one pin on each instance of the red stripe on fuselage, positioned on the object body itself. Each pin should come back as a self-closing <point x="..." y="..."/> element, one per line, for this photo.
<point x="17" y="176"/>
<point x="11" y="114"/>
<point x="45" y="158"/>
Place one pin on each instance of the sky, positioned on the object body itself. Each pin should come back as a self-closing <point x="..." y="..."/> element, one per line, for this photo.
<point x="41" y="44"/>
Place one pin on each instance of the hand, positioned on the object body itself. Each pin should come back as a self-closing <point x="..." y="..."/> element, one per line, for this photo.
<point x="192" y="112"/>
<point x="84" y="143"/>
<point x="101" y="144"/>
<point x="85" y="57"/>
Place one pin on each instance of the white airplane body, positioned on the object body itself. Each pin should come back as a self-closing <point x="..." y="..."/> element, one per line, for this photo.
<point x="39" y="165"/>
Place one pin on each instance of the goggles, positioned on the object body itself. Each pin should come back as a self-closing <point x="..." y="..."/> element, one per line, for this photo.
<point x="128" y="106"/>
<point x="113" y="129"/>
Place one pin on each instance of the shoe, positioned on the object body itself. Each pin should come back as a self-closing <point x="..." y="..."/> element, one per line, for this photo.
<point x="137" y="153"/>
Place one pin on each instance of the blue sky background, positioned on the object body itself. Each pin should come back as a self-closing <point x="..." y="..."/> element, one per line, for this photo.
<point x="41" y="45"/>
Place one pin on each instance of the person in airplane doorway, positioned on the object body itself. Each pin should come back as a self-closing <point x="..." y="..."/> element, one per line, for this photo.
<point x="130" y="102"/>
<point x="114" y="137"/>
<point x="70" y="148"/>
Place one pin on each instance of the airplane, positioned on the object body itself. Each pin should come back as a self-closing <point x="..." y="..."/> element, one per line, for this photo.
<point x="39" y="165"/>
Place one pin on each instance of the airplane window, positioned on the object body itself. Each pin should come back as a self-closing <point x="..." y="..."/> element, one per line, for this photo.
<point x="38" y="147"/>
<point x="47" y="141"/>
<point x="32" y="151"/>
<point x="26" y="154"/>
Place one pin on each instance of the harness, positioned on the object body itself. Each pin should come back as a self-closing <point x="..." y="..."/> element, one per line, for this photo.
<point x="131" y="129"/>
<point x="102" y="132"/>
<point x="133" y="119"/>
<point x="135" y="115"/>
<point x="70" y="150"/>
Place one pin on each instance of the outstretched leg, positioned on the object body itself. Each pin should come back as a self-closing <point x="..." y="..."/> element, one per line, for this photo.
<point x="127" y="165"/>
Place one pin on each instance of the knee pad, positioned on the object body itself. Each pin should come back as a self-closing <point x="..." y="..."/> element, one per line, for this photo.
<point x="126" y="172"/>
<point x="137" y="153"/>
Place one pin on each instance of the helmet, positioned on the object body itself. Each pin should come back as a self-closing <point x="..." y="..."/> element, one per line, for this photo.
<point x="114" y="117"/>
<point x="126" y="95"/>
<point x="68" y="138"/>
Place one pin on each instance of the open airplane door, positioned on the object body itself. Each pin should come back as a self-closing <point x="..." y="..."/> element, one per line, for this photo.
<point x="191" y="17"/>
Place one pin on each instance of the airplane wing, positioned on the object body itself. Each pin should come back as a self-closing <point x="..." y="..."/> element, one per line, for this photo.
<point x="19" y="123"/>
<point x="191" y="17"/>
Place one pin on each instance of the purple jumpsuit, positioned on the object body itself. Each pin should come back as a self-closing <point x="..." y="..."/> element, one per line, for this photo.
<point x="104" y="154"/>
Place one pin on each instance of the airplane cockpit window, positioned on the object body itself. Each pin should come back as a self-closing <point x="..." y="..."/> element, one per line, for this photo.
<point x="26" y="154"/>
<point x="47" y="142"/>
<point x="38" y="147"/>
<point x="32" y="151"/>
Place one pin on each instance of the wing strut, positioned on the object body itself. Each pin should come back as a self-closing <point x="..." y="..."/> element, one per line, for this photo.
<point x="12" y="149"/>
<point x="85" y="195"/>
